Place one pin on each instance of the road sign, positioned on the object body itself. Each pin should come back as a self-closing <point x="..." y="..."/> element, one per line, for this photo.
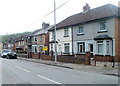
<point x="45" y="48"/>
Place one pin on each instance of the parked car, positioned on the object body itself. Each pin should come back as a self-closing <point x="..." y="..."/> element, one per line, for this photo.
<point x="9" y="54"/>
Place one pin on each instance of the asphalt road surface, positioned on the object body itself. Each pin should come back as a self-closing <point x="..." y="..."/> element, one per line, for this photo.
<point x="13" y="71"/>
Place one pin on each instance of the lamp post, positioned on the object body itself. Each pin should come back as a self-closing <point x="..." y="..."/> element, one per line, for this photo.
<point x="55" y="31"/>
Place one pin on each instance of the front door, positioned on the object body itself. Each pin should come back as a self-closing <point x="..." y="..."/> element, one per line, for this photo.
<point x="91" y="49"/>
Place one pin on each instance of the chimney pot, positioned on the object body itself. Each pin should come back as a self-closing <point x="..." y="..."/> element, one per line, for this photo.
<point x="86" y="7"/>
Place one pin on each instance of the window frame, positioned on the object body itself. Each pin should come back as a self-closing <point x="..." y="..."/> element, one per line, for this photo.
<point x="79" y="30"/>
<point x="41" y="38"/>
<point x="100" y="43"/>
<point x="66" y="32"/>
<point x="107" y="47"/>
<point x="81" y="45"/>
<point x="103" y="26"/>
<point x="35" y="39"/>
<point x="34" y="48"/>
<point x="68" y="46"/>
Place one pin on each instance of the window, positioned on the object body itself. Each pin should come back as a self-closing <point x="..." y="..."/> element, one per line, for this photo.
<point x="66" y="46"/>
<point x="53" y="35"/>
<point x="66" y="32"/>
<point x="100" y="47"/>
<point x="35" y="39"/>
<point x="107" y="47"/>
<point x="81" y="47"/>
<point x="80" y="30"/>
<point x="41" y="38"/>
<point x="103" y="26"/>
<point x="34" y="49"/>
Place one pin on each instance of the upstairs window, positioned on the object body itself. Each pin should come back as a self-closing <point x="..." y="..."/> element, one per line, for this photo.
<point x="80" y="30"/>
<point x="41" y="39"/>
<point x="103" y="25"/>
<point x="66" y="32"/>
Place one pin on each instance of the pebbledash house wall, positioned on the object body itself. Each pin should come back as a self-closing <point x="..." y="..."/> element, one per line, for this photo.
<point x="61" y="39"/>
<point x="90" y="31"/>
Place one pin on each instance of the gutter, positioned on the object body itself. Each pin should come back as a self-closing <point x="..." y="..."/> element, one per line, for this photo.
<point x="113" y="61"/>
<point x="72" y="40"/>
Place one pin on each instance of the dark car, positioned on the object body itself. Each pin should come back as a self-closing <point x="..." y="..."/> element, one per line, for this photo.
<point x="9" y="54"/>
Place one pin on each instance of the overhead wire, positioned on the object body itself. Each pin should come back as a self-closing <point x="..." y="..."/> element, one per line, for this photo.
<point x="48" y="13"/>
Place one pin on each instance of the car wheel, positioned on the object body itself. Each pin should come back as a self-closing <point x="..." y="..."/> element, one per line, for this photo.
<point x="7" y="57"/>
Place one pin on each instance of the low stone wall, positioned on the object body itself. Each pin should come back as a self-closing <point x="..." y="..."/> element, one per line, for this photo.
<point x="80" y="55"/>
<point x="78" y="59"/>
<point x="45" y="57"/>
<point x="103" y="58"/>
<point x="22" y="55"/>
<point x="70" y="59"/>
<point x="35" y="55"/>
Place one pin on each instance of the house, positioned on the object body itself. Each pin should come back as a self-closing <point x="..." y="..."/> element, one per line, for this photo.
<point x="10" y="44"/>
<point x="21" y="44"/>
<point x="40" y="40"/>
<point x="1" y="45"/>
<point x="93" y="30"/>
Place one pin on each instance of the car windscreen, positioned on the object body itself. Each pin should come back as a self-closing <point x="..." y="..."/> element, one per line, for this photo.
<point x="6" y="51"/>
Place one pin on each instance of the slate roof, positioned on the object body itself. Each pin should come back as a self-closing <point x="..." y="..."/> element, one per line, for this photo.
<point x="43" y="30"/>
<point x="104" y="11"/>
<point x="102" y="37"/>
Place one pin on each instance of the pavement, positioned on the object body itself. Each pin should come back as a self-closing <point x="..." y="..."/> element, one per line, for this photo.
<point x="99" y="68"/>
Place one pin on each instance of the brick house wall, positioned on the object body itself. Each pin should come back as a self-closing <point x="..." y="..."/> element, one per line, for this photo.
<point x="117" y="39"/>
<point x="47" y="40"/>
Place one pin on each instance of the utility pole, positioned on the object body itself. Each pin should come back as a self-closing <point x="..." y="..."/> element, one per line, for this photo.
<point x="55" y="31"/>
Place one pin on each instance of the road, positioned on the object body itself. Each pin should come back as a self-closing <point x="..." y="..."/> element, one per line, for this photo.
<point x="24" y="72"/>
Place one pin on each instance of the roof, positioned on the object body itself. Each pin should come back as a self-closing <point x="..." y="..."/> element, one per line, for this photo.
<point x="23" y="37"/>
<point x="102" y="37"/>
<point x="104" y="11"/>
<point x="34" y="32"/>
<point x="43" y="30"/>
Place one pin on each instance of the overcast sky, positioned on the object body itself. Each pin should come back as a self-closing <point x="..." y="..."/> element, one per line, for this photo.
<point x="25" y="15"/>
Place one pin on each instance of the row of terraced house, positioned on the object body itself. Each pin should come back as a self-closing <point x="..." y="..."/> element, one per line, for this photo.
<point x="91" y="33"/>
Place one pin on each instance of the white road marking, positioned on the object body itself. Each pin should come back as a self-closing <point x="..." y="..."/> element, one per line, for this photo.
<point x="22" y="69"/>
<point x="48" y="79"/>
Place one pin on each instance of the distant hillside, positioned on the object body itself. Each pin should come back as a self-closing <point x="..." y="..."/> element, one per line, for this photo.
<point x="6" y="37"/>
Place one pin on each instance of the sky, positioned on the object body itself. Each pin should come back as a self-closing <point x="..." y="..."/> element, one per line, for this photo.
<point x="18" y="16"/>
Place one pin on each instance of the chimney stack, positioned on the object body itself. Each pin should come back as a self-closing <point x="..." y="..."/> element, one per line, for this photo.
<point x="44" y="25"/>
<point x="86" y="7"/>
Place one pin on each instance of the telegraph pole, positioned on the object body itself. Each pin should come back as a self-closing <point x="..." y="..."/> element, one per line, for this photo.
<point x="55" y="31"/>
